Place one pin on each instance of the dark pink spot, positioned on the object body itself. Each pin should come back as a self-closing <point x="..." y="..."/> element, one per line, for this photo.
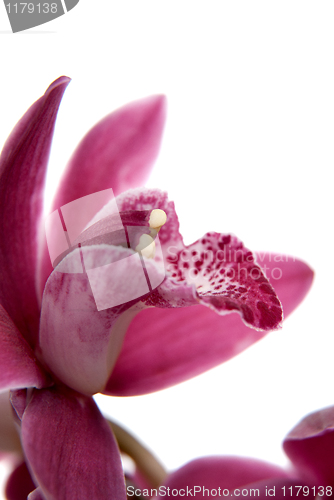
<point x="266" y="288"/>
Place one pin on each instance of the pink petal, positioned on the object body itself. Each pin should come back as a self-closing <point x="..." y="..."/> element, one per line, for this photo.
<point x="78" y="342"/>
<point x="9" y="438"/>
<point x="19" y="399"/>
<point x="36" y="495"/>
<point x="310" y="446"/>
<point x="22" y="172"/>
<point x="70" y="448"/>
<point x="117" y="153"/>
<point x="19" y="367"/>
<point x="290" y="277"/>
<point x="19" y="483"/>
<point x="220" y="472"/>
<point x="164" y="347"/>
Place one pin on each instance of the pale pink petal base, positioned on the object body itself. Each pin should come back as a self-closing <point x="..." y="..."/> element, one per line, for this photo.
<point x="79" y="342"/>
<point x="70" y="448"/>
<point x="164" y="347"/>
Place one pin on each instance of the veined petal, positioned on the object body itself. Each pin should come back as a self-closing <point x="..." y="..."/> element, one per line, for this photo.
<point x="19" y="367"/>
<point x="85" y="315"/>
<point x="70" y="448"/>
<point x="22" y="172"/>
<point x="219" y="473"/>
<point x="19" y="483"/>
<point x="310" y="446"/>
<point x="117" y="153"/>
<point x="165" y="346"/>
<point x="9" y="438"/>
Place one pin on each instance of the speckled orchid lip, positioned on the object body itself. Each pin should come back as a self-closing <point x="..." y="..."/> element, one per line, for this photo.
<point x="227" y="278"/>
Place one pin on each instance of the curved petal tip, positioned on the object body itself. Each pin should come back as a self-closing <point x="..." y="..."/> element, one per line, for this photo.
<point x="310" y="445"/>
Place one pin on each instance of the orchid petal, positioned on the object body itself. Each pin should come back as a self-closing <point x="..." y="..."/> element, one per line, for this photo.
<point x="9" y="438"/>
<point x="78" y="342"/>
<point x="22" y="172"/>
<point x="227" y="279"/>
<point x="117" y="153"/>
<point x="19" y="483"/>
<point x="290" y="277"/>
<point x="19" y="399"/>
<point x="36" y="495"/>
<point x="220" y="473"/>
<point x="165" y="346"/>
<point x="310" y="446"/>
<point x="19" y="367"/>
<point x="70" y="448"/>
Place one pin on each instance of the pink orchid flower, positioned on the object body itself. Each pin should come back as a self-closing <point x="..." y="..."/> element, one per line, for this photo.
<point x="309" y="446"/>
<point x="53" y="339"/>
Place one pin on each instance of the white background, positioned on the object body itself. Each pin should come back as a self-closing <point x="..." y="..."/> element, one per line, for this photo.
<point x="248" y="149"/>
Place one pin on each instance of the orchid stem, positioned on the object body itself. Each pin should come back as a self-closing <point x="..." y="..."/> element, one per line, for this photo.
<point x="148" y="465"/>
